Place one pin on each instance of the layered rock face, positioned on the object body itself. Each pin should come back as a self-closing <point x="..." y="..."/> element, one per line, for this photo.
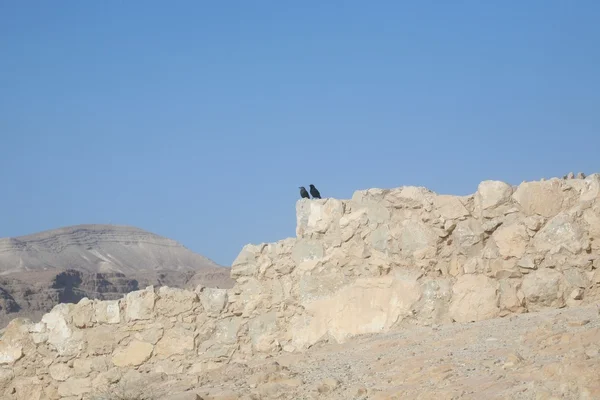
<point x="99" y="249"/>
<point x="383" y="261"/>
<point x="95" y="261"/>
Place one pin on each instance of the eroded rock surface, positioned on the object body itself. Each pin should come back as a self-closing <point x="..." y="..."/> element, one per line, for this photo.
<point x="457" y="296"/>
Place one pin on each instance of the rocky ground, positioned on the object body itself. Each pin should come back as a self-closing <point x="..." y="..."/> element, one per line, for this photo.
<point x="546" y="355"/>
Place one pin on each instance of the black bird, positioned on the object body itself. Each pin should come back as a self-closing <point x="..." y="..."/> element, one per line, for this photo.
<point x="314" y="192"/>
<point x="304" y="193"/>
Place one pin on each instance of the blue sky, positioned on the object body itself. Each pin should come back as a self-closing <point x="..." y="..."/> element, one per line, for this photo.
<point x="198" y="121"/>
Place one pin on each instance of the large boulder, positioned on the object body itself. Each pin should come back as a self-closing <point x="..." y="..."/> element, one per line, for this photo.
<point x="474" y="298"/>
<point x="543" y="198"/>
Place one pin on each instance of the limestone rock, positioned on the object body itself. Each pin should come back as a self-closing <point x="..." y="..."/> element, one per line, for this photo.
<point x="83" y="313"/>
<point x="540" y="198"/>
<point x="450" y="207"/>
<point x="474" y="298"/>
<point x="262" y="331"/>
<point x="183" y="396"/>
<point x="140" y="304"/>
<point x="107" y="312"/>
<point x="75" y="387"/>
<point x="101" y="339"/>
<point x="317" y="216"/>
<point x="386" y="260"/>
<point x="307" y="249"/>
<point x="60" y="334"/>
<point x="213" y="300"/>
<point x="9" y="353"/>
<point x="175" y="341"/>
<point x="544" y="287"/>
<point x="60" y="372"/>
<point x="82" y="367"/>
<point x="511" y="240"/>
<point x="136" y="353"/>
<point x="414" y="236"/>
<point x="562" y="231"/>
<point x="15" y="341"/>
<point x="491" y="194"/>
<point x="368" y="305"/>
<point x="468" y="237"/>
<point x="245" y="263"/>
<point x="173" y="301"/>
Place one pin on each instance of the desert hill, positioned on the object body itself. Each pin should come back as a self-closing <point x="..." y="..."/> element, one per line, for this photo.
<point x="98" y="248"/>
<point x="104" y="262"/>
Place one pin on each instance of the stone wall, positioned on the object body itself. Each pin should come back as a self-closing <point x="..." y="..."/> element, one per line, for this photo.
<point x="383" y="260"/>
<point x="388" y="258"/>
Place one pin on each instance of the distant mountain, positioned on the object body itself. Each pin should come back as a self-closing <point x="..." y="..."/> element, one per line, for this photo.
<point x="98" y="248"/>
<point x="41" y="270"/>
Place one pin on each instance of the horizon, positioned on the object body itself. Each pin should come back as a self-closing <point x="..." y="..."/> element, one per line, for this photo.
<point x="199" y="122"/>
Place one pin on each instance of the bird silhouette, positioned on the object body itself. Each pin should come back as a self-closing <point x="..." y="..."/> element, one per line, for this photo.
<point x="314" y="192"/>
<point x="303" y="193"/>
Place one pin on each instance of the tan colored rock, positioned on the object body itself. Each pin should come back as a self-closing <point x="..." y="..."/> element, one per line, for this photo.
<point x="106" y="378"/>
<point x="368" y="305"/>
<point x="534" y="222"/>
<point x="136" y="353"/>
<point x="450" y="207"/>
<point x="263" y="332"/>
<point x="83" y="313"/>
<point x="82" y="367"/>
<point x="317" y="216"/>
<point x="174" y="301"/>
<point x="107" y="312"/>
<point x="544" y="287"/>
<point x="245" y="263"/>
<point x="527" y="262"/>
<point x="60" y="372"/>
<point x="511" y="298"/>
<point x="562" y="231"/>
<point x="27" y="388"/>
<point x="540" y="198"/>
<point x="10" y="352"/>
<point x="385" y="261"/>
<point x="140" y="304"/>
<point x="511" y="240"/>
<point x="307" y="249"/>
<point x="61" y="335"/>
<point x="213" y="300"/>
<point x="414" y="236"/>
<point x="474" y="298"/>
<point x="152" y="334"/>
<point x="227" y="330"/>
<point x="467" y="237"/>
<point x="75" y="387"/>
<point x="183" y="396"/>
<point x="101" y="339"/>
<point x="576" y="278"/>
<point x="591" y="216"/>
<point x="491" y="194"/>
<point x="175" y="341"/>
<point x="351" y="223"/>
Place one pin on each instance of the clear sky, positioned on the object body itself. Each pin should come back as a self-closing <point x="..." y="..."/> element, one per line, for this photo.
<point x="199" y="120"/>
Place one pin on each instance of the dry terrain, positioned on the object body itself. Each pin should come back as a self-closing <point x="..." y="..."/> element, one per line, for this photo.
<point x="546" y="355"/>
<point x="103" y="262"/>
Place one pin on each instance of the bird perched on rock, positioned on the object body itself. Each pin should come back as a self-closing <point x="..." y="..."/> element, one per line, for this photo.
<point x="314" y="192"/>
<point x="303" y="193"/>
